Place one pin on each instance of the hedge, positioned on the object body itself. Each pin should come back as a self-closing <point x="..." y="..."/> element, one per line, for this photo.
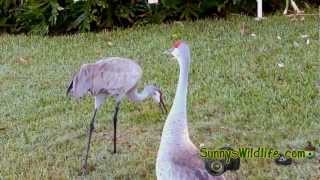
<point x="68" y="16"/>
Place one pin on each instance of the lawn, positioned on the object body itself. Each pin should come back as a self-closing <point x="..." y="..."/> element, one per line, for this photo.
<point x="245" y="91"/>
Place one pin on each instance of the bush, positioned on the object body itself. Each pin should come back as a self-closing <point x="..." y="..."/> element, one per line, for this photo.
<point x="61" y="16"/>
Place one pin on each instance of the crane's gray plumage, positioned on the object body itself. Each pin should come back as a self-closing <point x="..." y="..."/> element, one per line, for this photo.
<point x="113" y="76"/>
<point x="110" y="76"/>
<point x="185" y="164"/>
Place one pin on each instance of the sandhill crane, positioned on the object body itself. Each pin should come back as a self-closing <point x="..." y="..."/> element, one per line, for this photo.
<point x="178" y="157"/>
<point x="285" y="12"/>
<point x="116" y="77"/>
<point x="294" y="6"/>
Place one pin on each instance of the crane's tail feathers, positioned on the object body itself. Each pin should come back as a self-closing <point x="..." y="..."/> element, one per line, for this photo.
<point x="70" y="87"/>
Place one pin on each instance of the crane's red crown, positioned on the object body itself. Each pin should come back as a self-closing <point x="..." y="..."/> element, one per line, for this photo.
<point x="177" y="44"/>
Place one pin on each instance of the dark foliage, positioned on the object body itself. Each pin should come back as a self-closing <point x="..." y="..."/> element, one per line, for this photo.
<point x="61" y="16"/>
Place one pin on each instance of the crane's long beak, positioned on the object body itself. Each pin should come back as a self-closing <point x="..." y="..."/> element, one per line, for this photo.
<point x="162" y="106"/>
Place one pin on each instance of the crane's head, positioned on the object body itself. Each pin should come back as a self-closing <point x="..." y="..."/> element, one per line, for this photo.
<point x="157" y="96"/>
<point x="180" y="50"/>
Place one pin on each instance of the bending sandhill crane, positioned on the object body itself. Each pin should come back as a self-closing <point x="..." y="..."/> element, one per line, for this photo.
<point x="178" y="158"/>
<point x="114" y="76"/>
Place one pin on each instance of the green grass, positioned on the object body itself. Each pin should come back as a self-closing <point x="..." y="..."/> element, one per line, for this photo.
<point x="237" y="95"/>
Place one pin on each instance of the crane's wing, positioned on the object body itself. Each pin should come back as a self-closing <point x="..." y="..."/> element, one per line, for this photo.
<point x="194" y="173"/>
<point x="188" y="169"/>
<point x="114" y="76"/>
<point x="189" y="165"/>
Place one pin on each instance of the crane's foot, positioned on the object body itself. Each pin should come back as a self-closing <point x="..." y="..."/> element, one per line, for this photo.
<point x="111" y="151"/>
<point x="260" y="18"/>
<point x="86" y="169"/>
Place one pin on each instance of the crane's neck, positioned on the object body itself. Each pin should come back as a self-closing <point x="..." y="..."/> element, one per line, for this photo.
<point x="175" y="131"/>
<point x="180" y="99"/>
<point x="136" y="96"/>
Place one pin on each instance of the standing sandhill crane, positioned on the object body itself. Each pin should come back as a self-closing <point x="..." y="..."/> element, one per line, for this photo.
<point x="113" y="76"/>
<point x="178" y="158"/>
<point x="285" y="12"/>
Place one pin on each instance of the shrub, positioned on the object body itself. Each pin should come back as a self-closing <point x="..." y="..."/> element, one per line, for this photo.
<point x="61" y="16"/>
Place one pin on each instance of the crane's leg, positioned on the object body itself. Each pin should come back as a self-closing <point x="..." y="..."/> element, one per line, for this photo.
<point x="295" y="7"/>
<point x="115" y="119"/>
<point x="285" y="12"/>
<point x="85" y="168"/>
<point x="259" y="9"/>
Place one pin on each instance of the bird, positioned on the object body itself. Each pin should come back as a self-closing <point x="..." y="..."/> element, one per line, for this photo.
<point x="285" y="12"/>
<point x="116" y="77"/>
<point x="178" y="158"/>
